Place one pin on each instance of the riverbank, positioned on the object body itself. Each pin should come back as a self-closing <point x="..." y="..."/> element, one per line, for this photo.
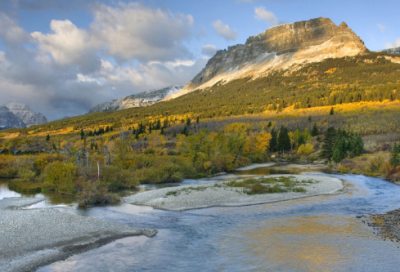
<point x="386" y="225"/>
<point x="219" y="194"/>
<point x="35" y="237"/>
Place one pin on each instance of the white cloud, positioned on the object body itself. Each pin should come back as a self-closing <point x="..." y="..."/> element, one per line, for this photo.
<point x="10" y="32"/>
<point x="128" y="48"/>
<point x="261" y="13"/>
<point x="393" y="45"/>
<point x="381" y="27"/>
<point x="67" y="44"/>
<point x="224" y="31"/>
<point x="209" y="50"/>
<point x="135" y="31"/>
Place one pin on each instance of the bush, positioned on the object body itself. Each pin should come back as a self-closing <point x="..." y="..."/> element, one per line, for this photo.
<point x="60" y="177"/>
<point x="116" y="178"/>
<point x="95" y="193"/>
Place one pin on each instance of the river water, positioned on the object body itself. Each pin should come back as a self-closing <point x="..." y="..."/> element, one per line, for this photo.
<point x="311" y="234"/>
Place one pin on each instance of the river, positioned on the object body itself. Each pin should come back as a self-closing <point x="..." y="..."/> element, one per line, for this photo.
<point x="311" y="234"/>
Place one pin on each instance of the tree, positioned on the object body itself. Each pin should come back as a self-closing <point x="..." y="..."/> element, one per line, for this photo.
<point x="48" y="137"/>
<point x="269" y="124"/>
<point x="332" y="112"/>
<point x="395" y="156"/>
<point x="314" y="131"/>
<point x="357" y="145"/>
<point x="82" y="134"/>
<point x="283" y="139"/>
<point x="198" y="119"/>
<point x="329" y="142"/>
<point x="340" y="150"/>
<point x="273" y="143"/>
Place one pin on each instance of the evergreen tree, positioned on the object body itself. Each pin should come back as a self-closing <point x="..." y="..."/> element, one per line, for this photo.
<point x="48" y="137"/>
<point x="314" y="131"/>
<point x="340" y="150"/>
<point x="273" y="143"/>
<point x="395" y="156"/>
<point x="269" y="124"/>
<point x="82" y="134"/>
<point x="107" y="129"/>
<point x="198" y="119"/>
<point x="158" y="125"/>
<point x="329" y="142"/>
<point x="332" y="112"/>
<point x="185" y="131"/>
<point x="356" y="145"/>
<point x="309" y="119"/>
<point x="162" y="131"/>
<point x="188" y="122"/>
<point x="283" y="139"/>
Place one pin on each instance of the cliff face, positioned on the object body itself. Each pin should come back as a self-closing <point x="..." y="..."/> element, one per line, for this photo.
<point x="138" y="100"/>
<point x="23" y="112"/>
<point x="278" y="47"/>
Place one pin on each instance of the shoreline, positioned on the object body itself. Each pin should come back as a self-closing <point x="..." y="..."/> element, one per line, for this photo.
<point x="36" y="237"/>
<point x="216" y="194"/>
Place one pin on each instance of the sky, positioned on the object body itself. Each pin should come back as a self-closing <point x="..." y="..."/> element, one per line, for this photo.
<point x="63" y="57"/>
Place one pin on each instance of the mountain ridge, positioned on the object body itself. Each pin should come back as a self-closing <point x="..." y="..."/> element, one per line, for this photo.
<point x="279" y="47"/>
<point x="143" y="99"/>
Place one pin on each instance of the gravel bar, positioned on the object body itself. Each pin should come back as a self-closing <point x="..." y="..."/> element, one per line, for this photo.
<point x="30" y="238"/>
<point x="211" y="195"/>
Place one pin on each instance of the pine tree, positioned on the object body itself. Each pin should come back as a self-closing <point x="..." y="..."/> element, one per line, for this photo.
<point x="269" y="124"/>
<point x="162" y="131"/>
<point x="332" y="112"/>
<point x="198" y="119"/>
<point x="82" y="134"/>
<point x="273" y="143"/>
<point x="329" y="142"/>
<point x="356" y="145"/>
<point x="48" y="137"/>
<point x="158" y="125"/>
<point x="395" y="156"/>
<point x="339" y="150"/>
<point x="314" y="131"/>
<point x="283" y="139"/>
<point x="107" y="129"/>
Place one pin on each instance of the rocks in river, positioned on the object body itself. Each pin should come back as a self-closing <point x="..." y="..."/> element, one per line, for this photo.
<point x="387" y="225"/>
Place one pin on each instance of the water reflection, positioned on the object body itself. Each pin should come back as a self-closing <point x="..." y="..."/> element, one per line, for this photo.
<point x="313" y="234"/>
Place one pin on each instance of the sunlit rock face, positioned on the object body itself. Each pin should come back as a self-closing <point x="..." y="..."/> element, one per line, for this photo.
<point x="9" y="120"/>
<point x="283" y="46"/>
<point x="23" y="112"/>
<point x="138" y="100"/>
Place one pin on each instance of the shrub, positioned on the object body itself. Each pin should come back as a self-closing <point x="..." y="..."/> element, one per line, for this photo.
<point x="95" y="193"/>
<point x="305" y="149"/>
<point x="116" y="178"/>
<point x="60" y="177"/>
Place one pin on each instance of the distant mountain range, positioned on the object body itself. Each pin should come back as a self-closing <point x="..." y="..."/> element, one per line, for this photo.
<point x="137" y="100"/>
<point x="17" y="115"/>
<point x="395" y="50"/>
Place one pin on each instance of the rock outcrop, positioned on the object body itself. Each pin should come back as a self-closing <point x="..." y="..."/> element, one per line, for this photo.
<point x="23" y="112"/>
<point x="138" y="100"/>
<point x="9" y="120"/>
<point x="280" y="47"/>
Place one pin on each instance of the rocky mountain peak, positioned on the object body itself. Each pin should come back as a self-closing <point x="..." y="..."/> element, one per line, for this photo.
<point x="279" y="47"/>
<point x="22" y="112"/>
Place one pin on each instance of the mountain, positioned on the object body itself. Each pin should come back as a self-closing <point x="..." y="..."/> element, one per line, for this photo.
<point x="9" y="120"/>
<point x="138" y="100"/>
<point x="280" y="47"/>
<point x="395" y="50"/>
<point x="23" y="112"/>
